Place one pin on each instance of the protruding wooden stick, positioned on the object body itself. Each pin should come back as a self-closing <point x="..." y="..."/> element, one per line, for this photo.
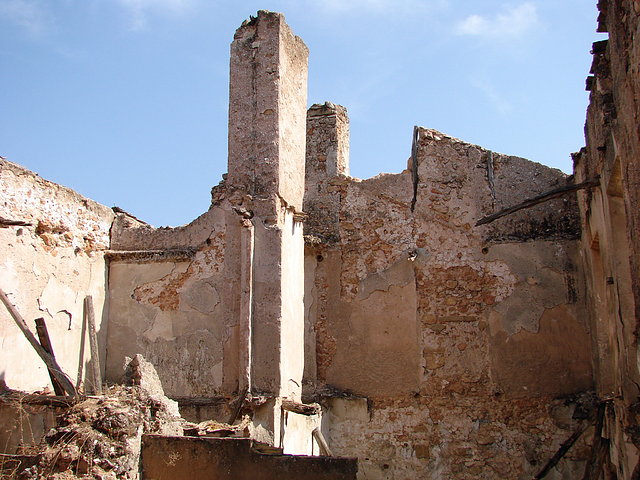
<point x="300" y="408"/>
<point x="49" y="361"/>
<point x="322" y="443"/>
<point x="556" y="192"/>
<point x="45" y="341"/>
<point x="96" y="376"/>
<point x="83" y="336"/>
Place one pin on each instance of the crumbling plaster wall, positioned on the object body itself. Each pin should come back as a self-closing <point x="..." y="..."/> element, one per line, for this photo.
<point x="47" y="268"/>
<point x="458" y="336"/>
<point x="611" y="226"/>
<point x="172" y="298"/>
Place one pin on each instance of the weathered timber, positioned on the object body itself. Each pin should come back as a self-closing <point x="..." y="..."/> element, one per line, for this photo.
<point x="6" y="222"/>
<point x="45" y="341"/>
<point x="599" y="447"/>
<point x="551" y="194"/>
<point x="322" y="443"/>
<point x="83" y="336"/>
<point x="96" y="376"/>
<point x="300" y="408"/>
<point x="238" y="405"/>
<point x="61" y="401"/>
<point x="562" y="451"/>
<point x="49" y="361"/>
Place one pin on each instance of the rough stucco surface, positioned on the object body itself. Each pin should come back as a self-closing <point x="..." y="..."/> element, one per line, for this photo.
<point x="438" y="349"/>
<point x="177" y="313"/>
<point x="611" y="227"/>
<point x="453" y="333"/>
<point x="47" y="269"/>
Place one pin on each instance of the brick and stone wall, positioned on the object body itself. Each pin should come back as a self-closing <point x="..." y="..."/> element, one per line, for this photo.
<point x="467" y="346"/>
<point x="611" y="230"/>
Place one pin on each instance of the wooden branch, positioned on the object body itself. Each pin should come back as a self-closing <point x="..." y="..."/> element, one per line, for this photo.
<point x="83" y="337"/>
<point x="45" y="341"/>
<point x="599" y="447"/>
<point x="322" y="443"/>
<point x="6" y="222"/>
<point x="37" y="399"/>
<point x="49" y="361"/>
<point x="300" y="408"/>
<point x="564" y="448"/>
<point x="238" y="405"/>
<point x="556" y="192"/>
<point x="96" y="376"/>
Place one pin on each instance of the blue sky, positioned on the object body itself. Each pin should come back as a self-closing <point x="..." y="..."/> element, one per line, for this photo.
<point x="126" y="100"/>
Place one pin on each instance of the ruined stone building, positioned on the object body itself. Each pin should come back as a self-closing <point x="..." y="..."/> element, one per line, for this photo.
<point x="437" y="348"/>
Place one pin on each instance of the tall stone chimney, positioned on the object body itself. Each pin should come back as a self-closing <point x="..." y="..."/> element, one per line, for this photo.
<point x="266" y="181"/>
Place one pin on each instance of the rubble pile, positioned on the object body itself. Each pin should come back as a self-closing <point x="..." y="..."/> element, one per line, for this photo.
<point x="100" y="436"/>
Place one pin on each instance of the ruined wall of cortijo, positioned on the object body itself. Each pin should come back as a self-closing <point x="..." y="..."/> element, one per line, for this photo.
<point x="436" y="348"/>
<point x="171" y="297"/>
<point x="217" y="305"/>
<point x="467" y="346"/>
<point x="611" y="232"/>
<point x="52" y="246"/>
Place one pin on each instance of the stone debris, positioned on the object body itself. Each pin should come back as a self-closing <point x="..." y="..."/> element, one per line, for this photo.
<point x="139" y="372"/>
<point x="211" y="428"/>
<point x="99" y="437"/>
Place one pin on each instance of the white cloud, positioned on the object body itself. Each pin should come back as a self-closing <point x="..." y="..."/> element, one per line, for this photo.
<point x="512" y="22"/>
<point x="499" y="102"/>
<point x="25" y="13"/>
<point x="139" y="10"/>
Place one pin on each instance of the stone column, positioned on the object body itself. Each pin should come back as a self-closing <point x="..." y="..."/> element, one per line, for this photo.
<point x="267" y="116"/>
<point x="327" y="158"/>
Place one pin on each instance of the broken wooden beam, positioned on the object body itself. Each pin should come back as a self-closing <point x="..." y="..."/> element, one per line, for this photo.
<point x="322" y="443"/>
<point x="599" y="447"/>
<point x="96" y="375"/>
<point x="83" y="336"/>
<point x="49" y="361"/>
<point x="562" y="451"/>
<point x="551" y="194"/>
<point x="45" y="341"/>
<point x="237" y="407"/>
<point x="7" y="222"/>
<point x="62" y="401"/>
<point x="300" y="408"/>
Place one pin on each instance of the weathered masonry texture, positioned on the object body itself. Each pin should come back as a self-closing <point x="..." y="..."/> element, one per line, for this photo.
<point x="611" y="229"/>
<point x="375" y="311"/>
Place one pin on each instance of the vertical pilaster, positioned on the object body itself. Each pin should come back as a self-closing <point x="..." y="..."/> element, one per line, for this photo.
<point x="267" y="118"/>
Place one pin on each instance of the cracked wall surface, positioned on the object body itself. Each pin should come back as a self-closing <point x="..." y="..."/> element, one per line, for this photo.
<point x="611" y="231"/>
<point x="47" y="268"/>
<point x="438" y="348"/>
<point x="175" y="308"/>
<point x="459" y="337"/>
